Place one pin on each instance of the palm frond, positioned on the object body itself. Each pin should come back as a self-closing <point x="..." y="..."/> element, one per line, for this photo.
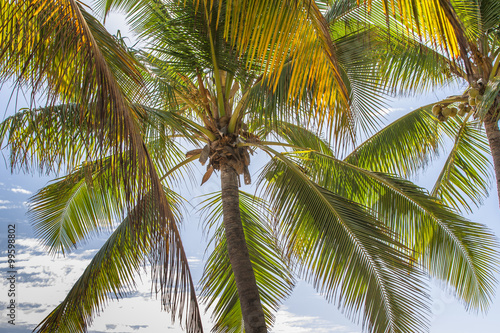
<point x="273" y="276"/>
<point x="411" y="67"/>
<point x="349" y="256"/>
<point x="111" y="273"/>
<point x="50" y="138"/>
<point x="466" y="175"/>
<point x="437" y="21"/>
<point x="280" y="31"/>
<point x="449" y="247"/>
<point x="489" y="12"/>
<point x="302" y="138"/>
<point x="47" y="139"/>
<point x="402" y="147"/>
<point x="64" y="54"/>
<point x="75" y="207"/>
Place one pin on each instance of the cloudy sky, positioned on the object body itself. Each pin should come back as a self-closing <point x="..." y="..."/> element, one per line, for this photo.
<point x="44" y="280"/>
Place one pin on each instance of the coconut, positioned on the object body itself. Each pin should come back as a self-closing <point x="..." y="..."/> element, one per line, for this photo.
<point x="436" y="109"/>
<point x="462" y="112"/>
<point x="479" y="99"/>
<point x="473" y="92"/>
<point x="454" y="112"/>
<point x="446" y="111"/>
<point x="472" y="101"/>
<point x="442" y="118"/>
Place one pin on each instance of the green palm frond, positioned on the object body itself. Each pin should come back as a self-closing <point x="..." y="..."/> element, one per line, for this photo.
<point x="411" y="67"/>
<point x="449" y="247"/>
<point x="75" y="207"/>
<point x="272" y="273"/>
<point x="47" y="139"/>
<point x="59" y="49"/>
<point x="466" y="175"/>
<point x="302" y="138"/>
<point x="83" y="203"/>
<point x="62" y="53"/>
<point x="112" y="273"/>
<point x="489" y="11"/>
<point x="346" y="252"/>
<point x="402" y="147"/>
<point x="52" y="138"/>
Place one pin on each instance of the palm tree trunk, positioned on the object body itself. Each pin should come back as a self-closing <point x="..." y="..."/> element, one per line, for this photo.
<point x="493" y="133"/>
<point x="251" y="307"/>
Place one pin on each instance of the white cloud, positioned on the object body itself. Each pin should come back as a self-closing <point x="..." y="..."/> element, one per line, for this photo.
<point x="386" y="111"/>
<point x="194" y="261"/>
<point x="4" y="201"/>
<point x="292" y="323"/>
<point x="20" y="190"/>
<point x="10" y="206"/>
<point x="43" y="282"/>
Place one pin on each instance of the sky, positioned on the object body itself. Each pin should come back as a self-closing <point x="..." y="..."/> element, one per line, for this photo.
<point x="44" y="280"/>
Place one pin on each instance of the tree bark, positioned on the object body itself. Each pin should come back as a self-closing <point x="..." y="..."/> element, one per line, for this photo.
<point x="251" y="307"/>
<point x="493" y="133"/>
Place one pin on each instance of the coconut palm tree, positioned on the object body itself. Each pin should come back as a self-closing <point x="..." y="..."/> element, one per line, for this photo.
<point x="470" y="119"/>
<point x="113" y="119"/>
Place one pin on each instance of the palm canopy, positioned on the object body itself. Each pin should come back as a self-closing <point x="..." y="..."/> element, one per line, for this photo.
<point x="465" y="179"/>
<point x="360" y="236"/>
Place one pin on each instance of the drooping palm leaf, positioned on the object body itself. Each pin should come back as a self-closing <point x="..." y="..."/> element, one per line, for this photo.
<point x="273" y="275"/>
<point x="75" y="207"/>
<point x="349" y="256"/>
<point x="112" y="273"/>
<point x="64" y="55"/>
<point x="401" y="147"/>
<point x="47" y="139"/>
<point x="449" y="247"/>
<point x="466" y="175"/>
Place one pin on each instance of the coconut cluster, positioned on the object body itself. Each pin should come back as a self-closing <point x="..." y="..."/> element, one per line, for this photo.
<point x="445" y="111"/>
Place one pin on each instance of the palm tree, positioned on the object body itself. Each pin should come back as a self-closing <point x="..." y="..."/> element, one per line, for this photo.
<point x="465" y="179"/>
<point x="111" y="122"/>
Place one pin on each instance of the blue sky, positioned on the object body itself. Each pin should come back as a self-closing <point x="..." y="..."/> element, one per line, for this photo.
<point x="44" y="280"/>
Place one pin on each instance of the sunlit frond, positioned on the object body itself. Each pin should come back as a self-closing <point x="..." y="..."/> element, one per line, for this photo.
<point x="466" y="175"/>
<point x="113" y="270"/>
<point x="75" y="207"/>
<point x="347" y="254"/>
<point x="449" y="247"/>
<point x="402" y="147"/>
<point x="437" y="21"/>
